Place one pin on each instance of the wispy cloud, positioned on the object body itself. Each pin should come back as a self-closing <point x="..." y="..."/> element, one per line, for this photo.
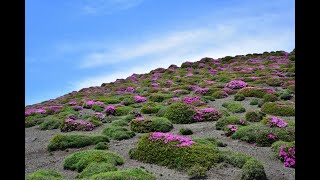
<point x="240" y="45"/>
<point x="95" y="7"/>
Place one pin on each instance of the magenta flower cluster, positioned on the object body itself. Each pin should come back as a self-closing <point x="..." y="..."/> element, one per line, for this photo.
<point x="110" y="110"/>
<point x="72" y="103"/>
<point x="139" y="119"/>
<point x="130" y="89"/>
<point x="201" y="90"/>
<point x="175" y="99"/>
<point x="73" y="125"/>
<point x="233" y="128"/>
<point x="99" y="116"/>
<point x="287" y="155"/>
<point x="139" y="99"/>
<point x="136" y="114"/>
<point x="29" y="112"/>
<point x="167" y="137"/>
<point x="77" y="108"/>
<point x="191" y="100"/>
<point x="236" y="84"/>
<point x="271" y="136"/>
<point x="207" y="114"/>
<point x="276" y="122"/>
<point x="90" y="103"/>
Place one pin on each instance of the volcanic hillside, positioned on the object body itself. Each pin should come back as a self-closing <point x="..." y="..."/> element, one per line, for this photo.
<point x="226" y="118"/>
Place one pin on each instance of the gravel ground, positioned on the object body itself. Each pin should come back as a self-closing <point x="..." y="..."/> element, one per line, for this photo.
<point x="37" y="156"/>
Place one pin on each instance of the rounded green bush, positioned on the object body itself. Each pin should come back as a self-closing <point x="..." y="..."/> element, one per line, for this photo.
<point x="253" y="169"/>
<point x="186" y="131"/>
<point x="252" y="92"/>
<point x="42" y="174"/>
<point x="180" y="113"/>
<point x="98" y="107"/>
<point x="122" y="110"/>
<point x="134" y="174"/>
<point x="96" y="168"/>
<point x="168" y="154"/>
<point x="239" y="97"/>
<point x="197" y="171"/>
<point x="278" y="109"/>
<point x="285" y="96"/>
<point x="81" y="159"/>
<point x="161" y="112"/>
<point x="254" y="102"/>
<point x="274" y="82"/>
<point x="102" y="146"/>
<point x="269" y="97"/>
<point x="253" y="116"/>
<point x="150" y="108"/>
<point x="234" y="107"/>
<point x="157" y="97"/>
<point x="155" y="124"/>
<point x="118" y="132"/>
<point x="50" y="124"/>
<point x="64" y="141"/>
<point x="226" y="120"/>
<point x="219" y="94"/>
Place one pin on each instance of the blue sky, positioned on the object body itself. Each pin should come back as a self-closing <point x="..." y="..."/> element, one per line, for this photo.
<point x="73" y="44"/>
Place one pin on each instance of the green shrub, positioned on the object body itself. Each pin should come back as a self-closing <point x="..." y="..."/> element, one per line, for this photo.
<point x="186" y="131"/>
<point x="278" y="109"/>
<point x="122" y="110"/>
<point x="118" y="132"/>
<point x="50" y="124"/>
<point x="274" y="82"/>
<point x="210" y="142"/>
<point x="261" y="103"/>
<point x="197" y="171"/>
<point x="167" y="154"/>
<point x="102" y="145"/>
<point x="96" y="168"/>
<point x="134" y="174"/>
<point x="275" y="147"/>
<point x="98" y="108"/>
<point x="128" y="101"/>
<point x="285" y="96"/>
<point x="64" y="141"/>
<point x="81" y="159"/>
<point x="110" y="100"/>
<point x="180" y="113"/>
<point x="43" y="174"/>
<point x="252" y="92"/>
<point x="292" y="69"/>
<point x="292" y="57"/>
<point x="254" y="102"/>
<point x="207" y="98"/>
<point x="150" y="108"/>
<point x="253" y="169"/>
<point x="155" y="124"/>
<point x="253" y="116"/>
<point x="239" y="97"/>
<point x="95" y="122"/>
<point x="234" y="107"/>
<point x="157" y="97"/>
<point x="258" y="133"/>
<point x="269" y="97"/>
<point x="235" y="159"/>
<point x="219" y="94"/>
<point x="34" y="120"/>
<point x="119" y="122"/>
<point x="161" y="112"/>
<point x="226" y="120"/>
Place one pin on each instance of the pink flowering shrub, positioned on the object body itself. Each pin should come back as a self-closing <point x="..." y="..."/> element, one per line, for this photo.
<point x="230" y="129"/>
<point x="98" y="116"/>
<point x="29" y="112"/>
<point x="77" y="108"/>
<point x="130" y="89"/>
<point x="167" y="137"/>
<point x="276" y="122"/>
<point x="72" y="103"/>
<point x="139" y="99"/>
<point x="89" y="104"/>
<point x="201" y="91"/>
<point x="110" y="110"/>
<point x="207" y="114"/>
<point x="73" y="125"/>
<point x="287" y="155"/>
<point x="236" y="84"/>
<point x="193" y="101"/>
